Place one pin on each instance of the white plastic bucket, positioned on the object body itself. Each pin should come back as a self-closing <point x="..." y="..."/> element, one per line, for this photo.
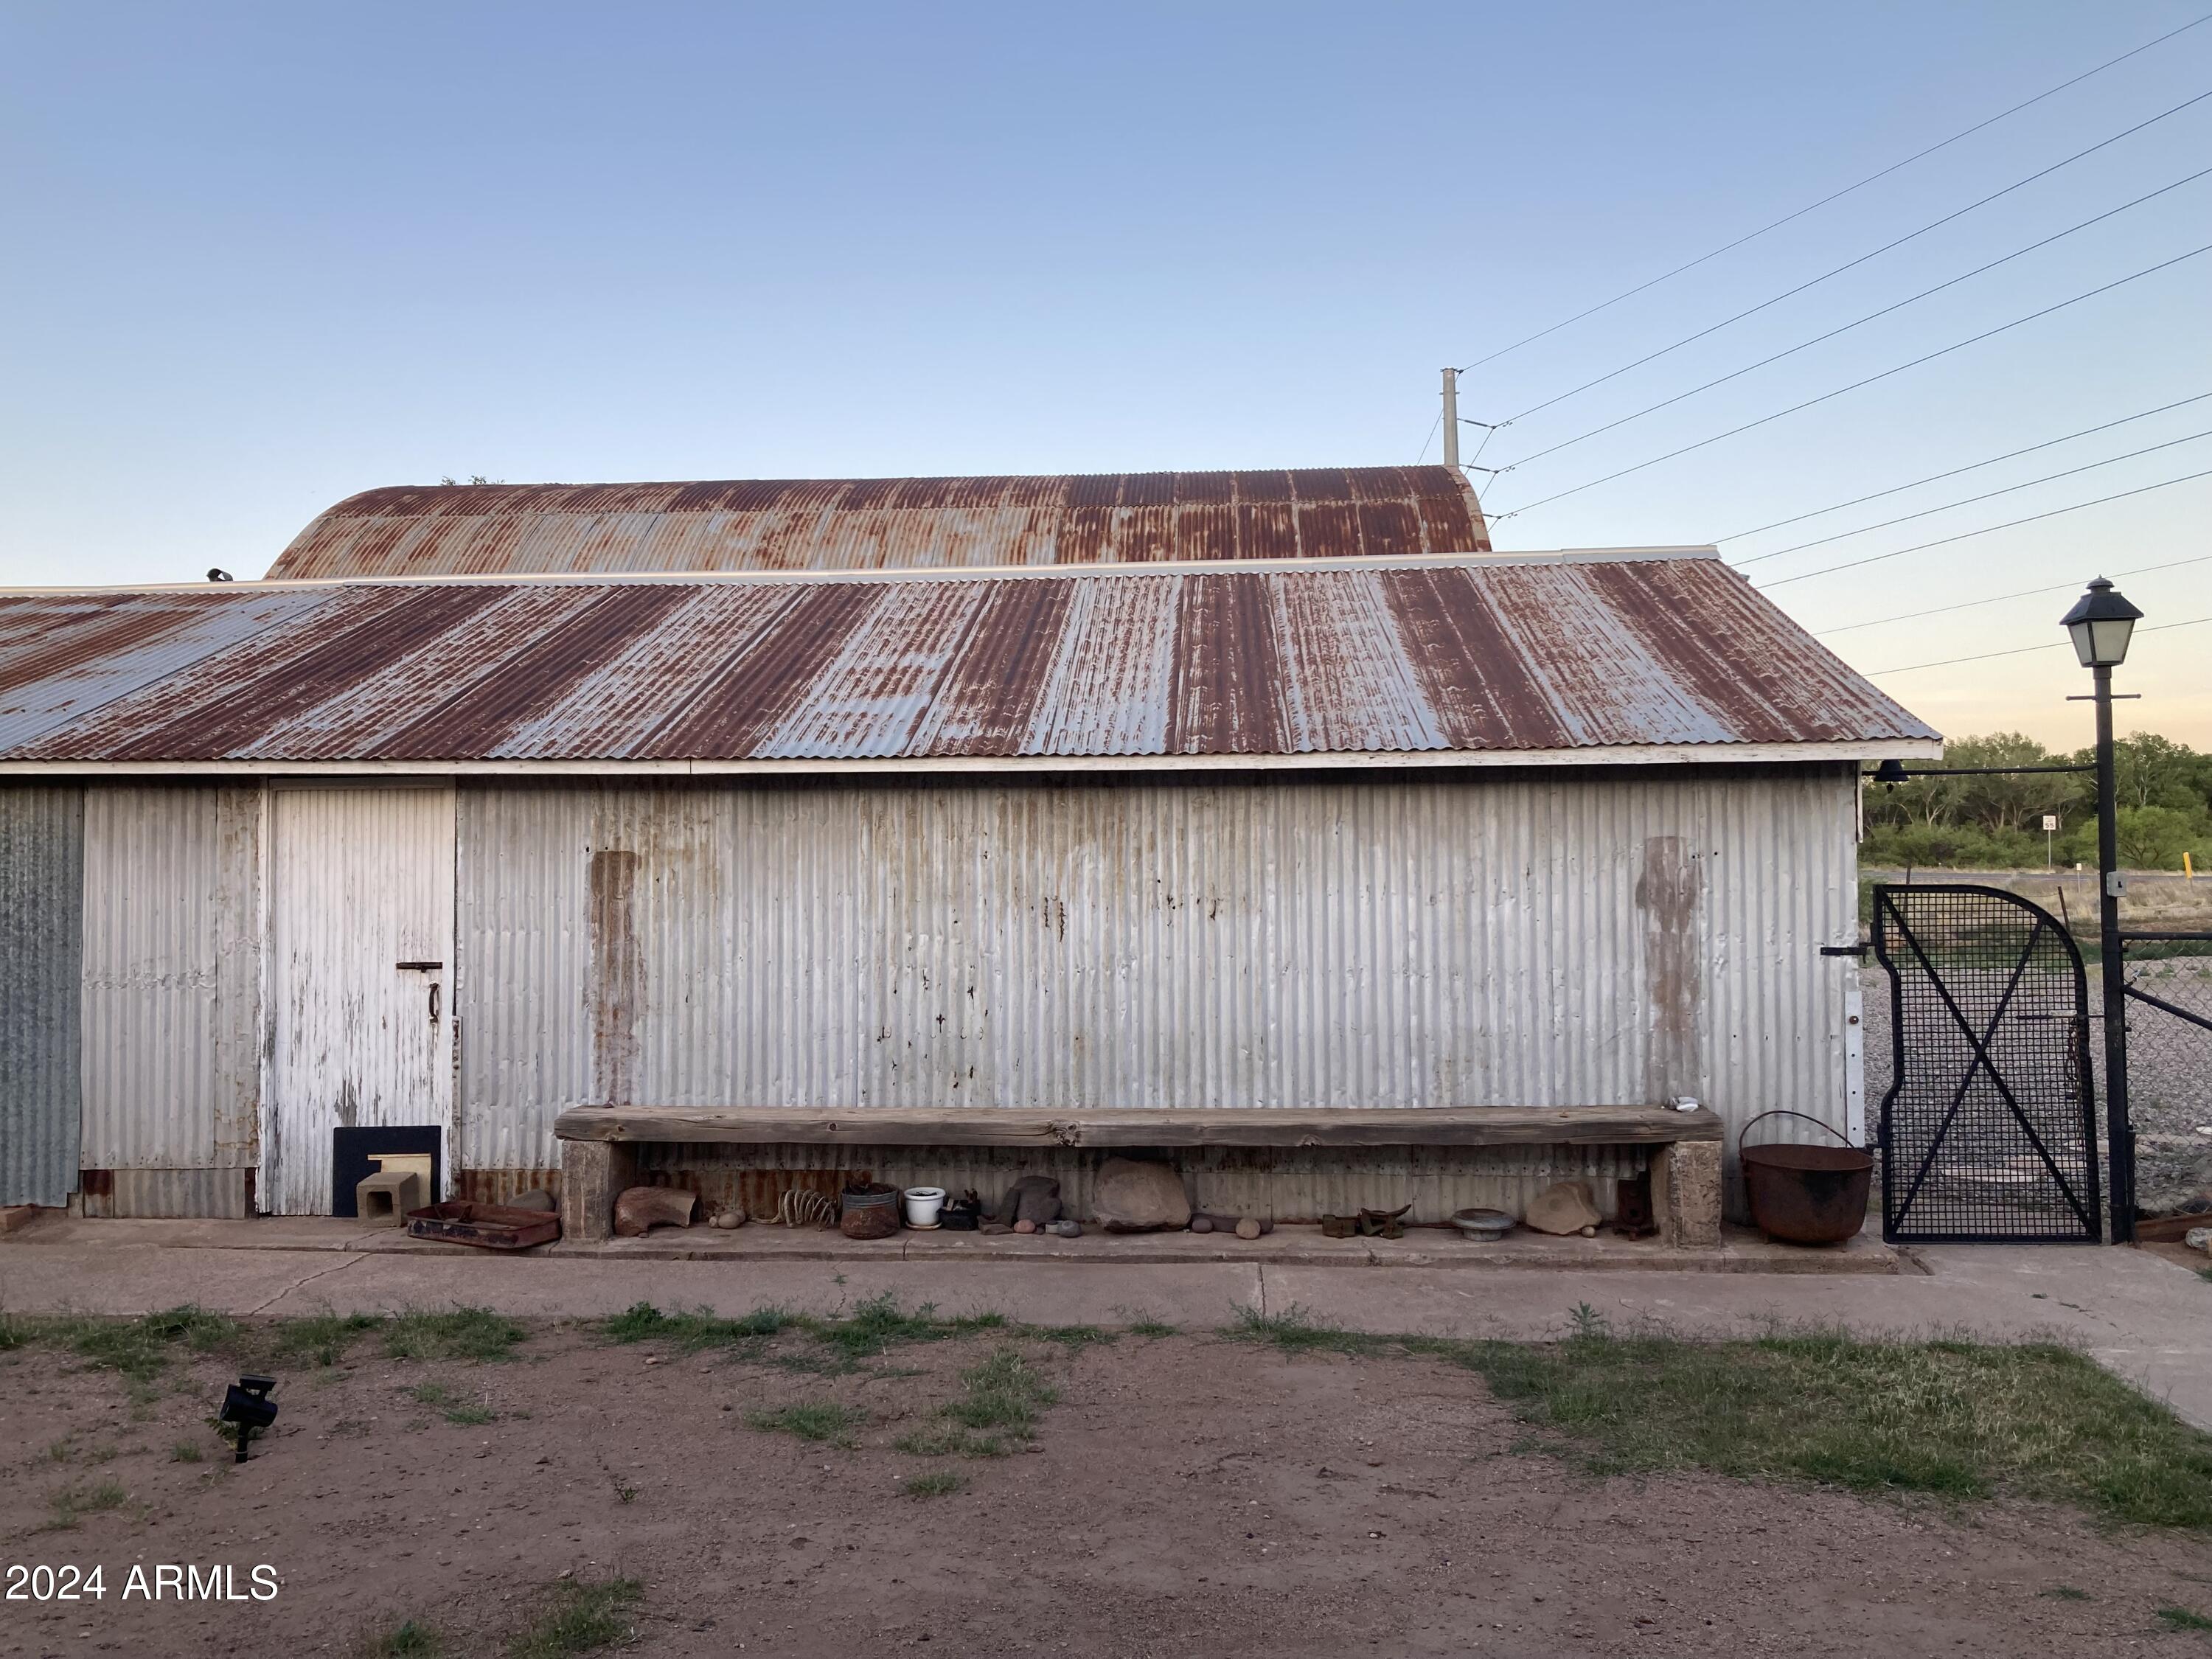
<point x="922" y="1203"/>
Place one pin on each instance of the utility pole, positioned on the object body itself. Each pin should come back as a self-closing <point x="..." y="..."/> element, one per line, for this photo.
<point x="1451" y="419"/>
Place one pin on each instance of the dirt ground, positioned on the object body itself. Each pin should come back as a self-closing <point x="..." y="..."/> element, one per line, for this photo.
<point x="1186" y="1496"/>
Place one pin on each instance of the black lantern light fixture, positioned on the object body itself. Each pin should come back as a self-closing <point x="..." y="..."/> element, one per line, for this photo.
<point x="2101" y="621"/>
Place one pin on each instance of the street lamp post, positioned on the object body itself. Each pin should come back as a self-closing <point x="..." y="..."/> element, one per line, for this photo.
<point x="2101" y="623"/>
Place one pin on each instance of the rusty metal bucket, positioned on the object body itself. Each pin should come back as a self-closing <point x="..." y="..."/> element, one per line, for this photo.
<point x="1803" y="1195"/>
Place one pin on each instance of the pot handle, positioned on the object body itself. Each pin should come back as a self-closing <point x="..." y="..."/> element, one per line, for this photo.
<point x="1743" y="1135"/>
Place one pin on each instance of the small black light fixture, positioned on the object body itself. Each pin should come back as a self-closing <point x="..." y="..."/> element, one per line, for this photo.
<point x="2102" y="623"/>
<point x="247" y="1406"/>
<point x="1891" y="773"/>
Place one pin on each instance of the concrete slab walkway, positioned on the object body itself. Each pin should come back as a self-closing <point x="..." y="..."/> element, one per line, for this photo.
<point x="2147" y="1318"/>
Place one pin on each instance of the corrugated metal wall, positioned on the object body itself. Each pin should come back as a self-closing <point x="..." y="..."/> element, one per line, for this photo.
<point x="127" y="1195"/>
<point x="1595" y="938"/>
<point x="172" y="980"/>
<point x="41" y="918"/>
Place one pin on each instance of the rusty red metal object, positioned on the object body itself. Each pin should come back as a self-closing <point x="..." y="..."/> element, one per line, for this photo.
<point x="1806" y="1195"/>
<point x="489" y="1226"/>
<point x="877" y="524"/>
<point x="1473" y="656"/>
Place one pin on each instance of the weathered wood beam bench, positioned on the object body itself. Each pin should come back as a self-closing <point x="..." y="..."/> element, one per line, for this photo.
<point x="599" y="1143"/>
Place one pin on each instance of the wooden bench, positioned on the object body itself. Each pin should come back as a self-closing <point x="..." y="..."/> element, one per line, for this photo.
<point x="599" y="1156"/>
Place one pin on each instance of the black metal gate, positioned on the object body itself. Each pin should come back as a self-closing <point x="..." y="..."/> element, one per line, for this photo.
<point x="2166" y="978"/>
<point x="1989" y="1129"/>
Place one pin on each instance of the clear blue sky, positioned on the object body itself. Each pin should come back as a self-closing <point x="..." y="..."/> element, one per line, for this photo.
<point x="260" y="257"/>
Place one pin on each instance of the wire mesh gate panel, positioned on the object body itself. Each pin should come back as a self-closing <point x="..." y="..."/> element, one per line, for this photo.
<point x="1989" y="1130"/>
<point x="2169" y="1002"/>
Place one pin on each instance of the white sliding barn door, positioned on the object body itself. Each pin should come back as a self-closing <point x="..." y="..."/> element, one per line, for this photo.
<point x="361" y="977"/>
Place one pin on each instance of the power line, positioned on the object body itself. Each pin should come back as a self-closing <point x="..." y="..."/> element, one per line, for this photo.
<point x="1964" y="535"/>
<point x="1927" y="358"/>
<point x="1838" y="195"/>
<point x="1845" y="328"/>
<point x="1989" y="495"/>
<point x="1440" y="421"/>
<point x="1971" y="466"/>
<point x="2022" y="650"/>
<point x="1814" y="281"/>
<point x="1999" y="599"/>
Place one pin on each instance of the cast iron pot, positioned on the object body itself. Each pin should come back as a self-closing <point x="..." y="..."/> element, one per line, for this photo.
<point x="1803" y="1195"/>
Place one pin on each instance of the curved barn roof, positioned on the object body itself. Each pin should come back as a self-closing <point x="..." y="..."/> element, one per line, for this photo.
<point x="888" y="524"/>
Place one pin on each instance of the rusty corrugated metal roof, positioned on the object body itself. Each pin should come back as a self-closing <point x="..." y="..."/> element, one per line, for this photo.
<point x="1496" y="656"/>
<point x="885" y="524"/>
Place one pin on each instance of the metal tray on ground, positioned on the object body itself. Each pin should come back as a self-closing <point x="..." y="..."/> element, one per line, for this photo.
<point x="491" y="1226"/>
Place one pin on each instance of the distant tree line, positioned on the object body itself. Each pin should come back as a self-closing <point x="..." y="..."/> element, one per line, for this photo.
<point x="1995" y="821"/>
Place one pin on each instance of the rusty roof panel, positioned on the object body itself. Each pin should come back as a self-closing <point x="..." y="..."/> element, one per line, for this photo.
<point x="983" y="702"/>
<point x="1494" y="656"/>
<point x="1107" y="690"/>
<point x="881" y="523"/>
<point x="1348" y="679"/>
<point x="62" y="656"/>
<point x="866" y="700"/>
<point x="612" y="712"/>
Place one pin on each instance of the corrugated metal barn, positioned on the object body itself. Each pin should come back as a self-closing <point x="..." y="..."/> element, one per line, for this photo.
<point x="1220" y="790"/>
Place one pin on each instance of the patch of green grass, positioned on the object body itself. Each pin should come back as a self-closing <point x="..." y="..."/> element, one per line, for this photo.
<point x="410" y="1641"/>
<point x="1959" y="1419"/>
<point x="937" y="1483"/>
<point x="317" y="1338"/>
<point x="185" y="1451"/>
<point x="579" y="1616"/>
<point x="1295" y="1331"/>
<point x="999" y="1399"/>
<point x="643" y="1322"/>
<point x="841" y="1341"/>
<point x="476" y="1333"/>
<point x="2066" y="1593"/>
<point x="1073" y="1336"/>
<point x="471" y="1416"/>
<point x="824" y="1420"/>
<point x="1003" y="1393"/>
<point x="876" y="1324"/>
<point x="140" y="1349"/>
<point x="431" y="1394"/>
<point x="2183" y="1618"/>
<point x="945" y="1441"/>
<point x="68" y="1505"/>
<point x="1152" y="1329"/>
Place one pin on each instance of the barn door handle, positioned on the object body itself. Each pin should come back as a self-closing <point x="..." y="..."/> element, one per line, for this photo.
<point x="436" y="989"/>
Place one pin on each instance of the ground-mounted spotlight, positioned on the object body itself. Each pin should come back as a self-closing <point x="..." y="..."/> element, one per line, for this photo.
<point x="246" y="1406"/>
